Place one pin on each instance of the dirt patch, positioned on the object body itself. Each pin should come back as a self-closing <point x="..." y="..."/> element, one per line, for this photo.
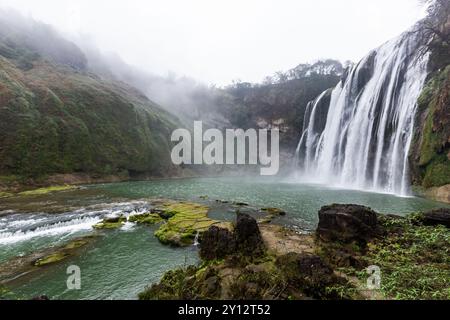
<point x="280" y="240"/>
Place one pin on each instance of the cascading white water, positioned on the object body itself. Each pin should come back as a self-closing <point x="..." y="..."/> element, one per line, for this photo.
<point x="365" y="140"/>
<point x="19" y="227"/>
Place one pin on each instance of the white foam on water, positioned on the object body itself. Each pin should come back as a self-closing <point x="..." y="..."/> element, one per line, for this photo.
<point x="71" y="226"/>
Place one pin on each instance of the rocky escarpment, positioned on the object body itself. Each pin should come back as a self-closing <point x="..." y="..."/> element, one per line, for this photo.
<point x="330" y="264"/>
<point x="243" y="265"/>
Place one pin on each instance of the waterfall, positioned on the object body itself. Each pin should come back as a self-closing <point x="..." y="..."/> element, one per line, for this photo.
<point x="358" y="134"/>
<point x="196" y="242"/>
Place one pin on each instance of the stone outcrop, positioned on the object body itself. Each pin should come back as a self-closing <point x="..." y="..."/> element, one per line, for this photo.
<point x="217" y="243"/>
<point x="437" y="217"/>
<point x="247" y="235"/>
<point x="246" y="240"/>
<point x="347" y="223"/>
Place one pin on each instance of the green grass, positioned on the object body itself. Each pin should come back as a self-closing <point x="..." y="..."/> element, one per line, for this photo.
<point x="415" y="262"/>
<point x="46" y="190"/>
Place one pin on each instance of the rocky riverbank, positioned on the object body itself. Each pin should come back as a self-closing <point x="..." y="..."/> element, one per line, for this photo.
<point x="265" y="261"/>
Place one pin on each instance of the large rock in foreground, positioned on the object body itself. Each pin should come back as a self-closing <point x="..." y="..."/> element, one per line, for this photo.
<point x="245" y="240"/>
<point x="247" y="235"/>
<point x="347" y="223"/>
<point x="437" y="217"/>
<point x="217" y="243"/>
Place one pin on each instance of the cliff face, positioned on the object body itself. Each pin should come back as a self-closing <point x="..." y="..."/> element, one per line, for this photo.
<point x="58" y="117"/>
<point x="430" y="150"/>
<point x="282" y="100"/>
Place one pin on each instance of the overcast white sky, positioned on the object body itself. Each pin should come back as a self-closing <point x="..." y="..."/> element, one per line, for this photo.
<point x="218" y="41"/>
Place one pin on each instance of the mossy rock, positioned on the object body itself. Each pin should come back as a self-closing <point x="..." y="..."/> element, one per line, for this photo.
<point x="274" y="211"/>
<point x="76" y="244"/>
<point x="430" y="153"/>
<point x="437" y="173"/>
<point x="146" y="218"/>
<point x="64" y="252"/>
<point x="111" y="223"/>
<point x="186" y="220"/>
<point x="5" y="195"/>
<point x="42" y="191"/>
<point x="52" y="258"/>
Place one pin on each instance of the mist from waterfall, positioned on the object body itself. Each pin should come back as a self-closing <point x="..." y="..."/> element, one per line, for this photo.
<point x="358" y="135"/>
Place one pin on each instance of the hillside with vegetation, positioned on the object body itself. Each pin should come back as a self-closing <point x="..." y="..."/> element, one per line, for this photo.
<point x="57" y="117"/>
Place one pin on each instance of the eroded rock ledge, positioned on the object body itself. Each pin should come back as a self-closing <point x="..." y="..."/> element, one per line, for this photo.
<point x="266" y="261"/>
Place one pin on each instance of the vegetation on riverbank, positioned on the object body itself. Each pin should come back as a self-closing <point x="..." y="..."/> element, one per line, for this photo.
<point x="413" y="259"/>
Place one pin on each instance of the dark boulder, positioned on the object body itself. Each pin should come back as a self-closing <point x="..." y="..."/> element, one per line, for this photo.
<point x="437" y="217"/>
<point x="216" y="243"/>
<point x="247" y="235"/>
<point x="245" y="240"/>
<point x="347" y="223"/>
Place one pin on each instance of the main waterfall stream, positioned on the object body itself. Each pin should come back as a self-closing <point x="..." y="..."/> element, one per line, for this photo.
<point x="358" y="134"/>
<point x="121" y="263"/>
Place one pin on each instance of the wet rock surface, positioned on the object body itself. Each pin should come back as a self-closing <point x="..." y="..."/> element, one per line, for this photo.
<point x="217" y="243"/>
<point x="437" y="217"/>
<point x="246" y="240"/>
<point x="347" y="222"/>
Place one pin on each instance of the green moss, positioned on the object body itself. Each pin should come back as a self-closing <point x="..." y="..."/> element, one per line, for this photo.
<point x="186" y="220"/>
<point x="46" y="190"/>
<point x="171" y="286"/>
<point x="432" y="164"/>
<point x="76" y="244"/>
<point x="52" y="258"/>
<point x="429" y="140"/>
<point x="111" y="223"/>
<point x="5" y="194"/>
<point x="146" y="218"/>
<point x="437" y="173"/>
<point x="63" y="252"/>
